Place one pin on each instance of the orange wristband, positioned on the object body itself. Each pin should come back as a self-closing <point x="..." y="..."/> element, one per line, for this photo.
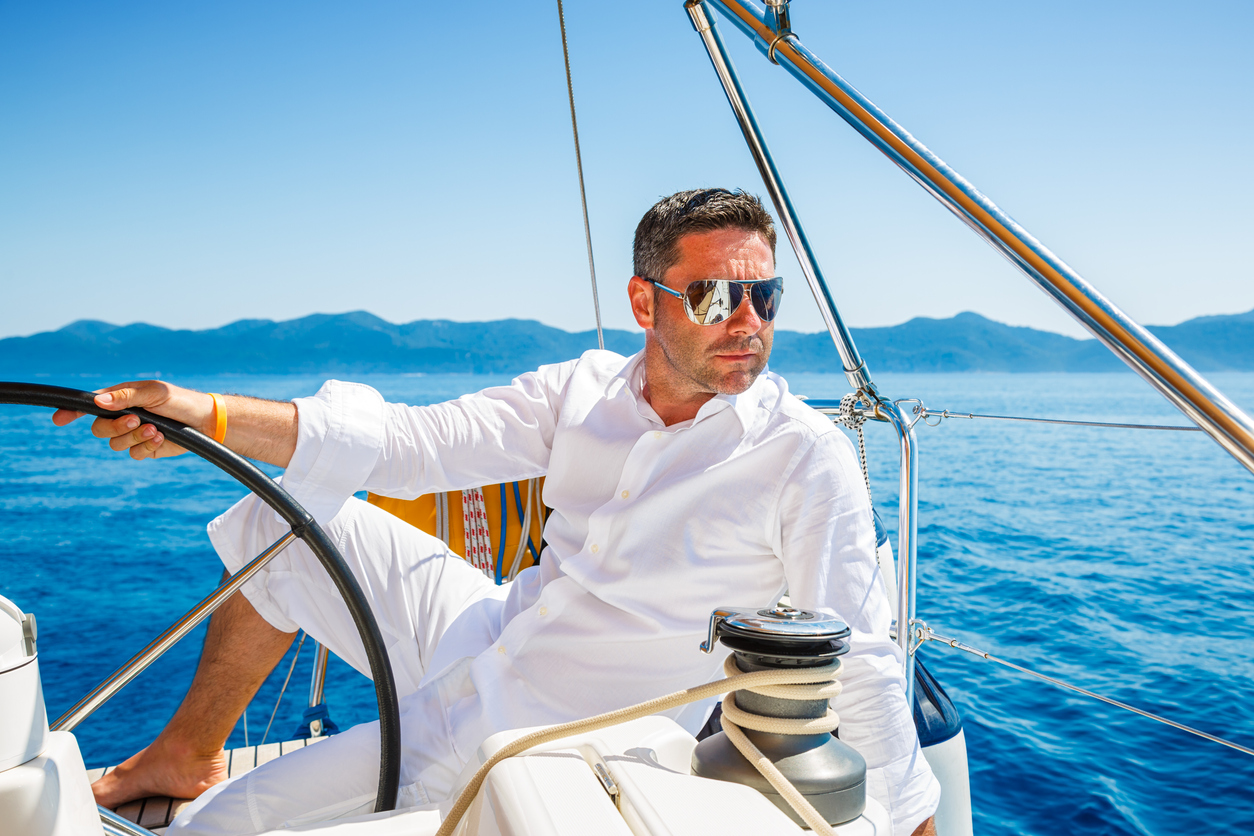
<point x="219" y="417"/>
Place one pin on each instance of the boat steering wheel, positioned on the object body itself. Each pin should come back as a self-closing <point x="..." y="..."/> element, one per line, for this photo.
<point x="303" y="527"/>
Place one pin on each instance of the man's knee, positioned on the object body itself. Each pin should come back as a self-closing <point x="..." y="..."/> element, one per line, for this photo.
<point x="927" y="828"/>
<point x="237" y="625"/>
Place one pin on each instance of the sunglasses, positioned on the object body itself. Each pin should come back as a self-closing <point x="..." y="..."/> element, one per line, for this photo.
<point x="710" y="301"/>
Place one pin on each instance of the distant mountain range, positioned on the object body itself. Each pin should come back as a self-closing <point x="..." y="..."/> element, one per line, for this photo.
<point x="361" y="342"/>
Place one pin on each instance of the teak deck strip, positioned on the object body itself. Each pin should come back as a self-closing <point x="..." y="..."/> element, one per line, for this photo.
<point x="157" y="812"/>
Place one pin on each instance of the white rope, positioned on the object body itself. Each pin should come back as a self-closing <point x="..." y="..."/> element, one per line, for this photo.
<point x="526" y="533"/>
<point x="735" y="717"/>
<point x="478" y="540"/>
<point x="801" y="684"/>
<point x="441" y="517"/>
<point x="784" y="725"/>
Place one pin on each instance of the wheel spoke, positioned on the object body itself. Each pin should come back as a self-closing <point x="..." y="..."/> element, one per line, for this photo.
<point x="303" y="526"/>
<point x="99" y="695"/>
<point x="115" y="825"/>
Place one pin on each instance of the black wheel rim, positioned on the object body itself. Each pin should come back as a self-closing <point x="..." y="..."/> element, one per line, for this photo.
<point x="303" y="525"/>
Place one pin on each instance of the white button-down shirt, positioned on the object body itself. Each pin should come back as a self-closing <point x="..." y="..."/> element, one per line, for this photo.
<point x="652" y="528"/>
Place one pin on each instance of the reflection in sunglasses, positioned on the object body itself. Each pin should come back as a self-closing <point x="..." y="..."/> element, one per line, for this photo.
<point x="711" y="301"/>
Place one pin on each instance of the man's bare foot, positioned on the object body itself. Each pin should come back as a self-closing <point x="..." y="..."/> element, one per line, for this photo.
<point x="157" y="770"/>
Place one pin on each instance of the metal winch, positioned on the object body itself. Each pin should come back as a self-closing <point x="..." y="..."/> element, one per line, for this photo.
<point x="828" y="772"/>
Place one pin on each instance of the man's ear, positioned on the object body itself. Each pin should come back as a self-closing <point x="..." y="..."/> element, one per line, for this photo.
<point x="641" y="294"/>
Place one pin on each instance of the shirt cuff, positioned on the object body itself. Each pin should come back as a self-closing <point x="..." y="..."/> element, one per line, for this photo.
<point x="339" y="437"/>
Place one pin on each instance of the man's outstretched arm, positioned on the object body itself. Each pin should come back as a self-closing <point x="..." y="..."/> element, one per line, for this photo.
<point x="259" y="429"/>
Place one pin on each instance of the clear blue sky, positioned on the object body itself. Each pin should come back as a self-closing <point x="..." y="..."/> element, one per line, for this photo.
<point x="190" y="164"/>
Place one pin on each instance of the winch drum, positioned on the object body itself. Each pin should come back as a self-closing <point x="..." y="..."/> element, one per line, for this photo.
<point x="827" y="771"/>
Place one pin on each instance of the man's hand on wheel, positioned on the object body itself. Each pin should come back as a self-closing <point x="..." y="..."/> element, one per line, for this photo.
<point x="145" y="442"/>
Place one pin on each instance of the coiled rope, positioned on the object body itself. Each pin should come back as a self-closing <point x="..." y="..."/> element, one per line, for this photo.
<point x="853" y="418"/>
<point x="735" y="717"/>
<point x="794" y="684"/>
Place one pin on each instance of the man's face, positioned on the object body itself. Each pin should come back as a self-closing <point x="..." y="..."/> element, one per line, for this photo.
<point x="727" y="357"/>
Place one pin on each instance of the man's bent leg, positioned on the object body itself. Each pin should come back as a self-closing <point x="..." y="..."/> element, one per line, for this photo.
<point x="417" y="589"/>
<point x="241" y="648"/>
<point x="293" y="789"/>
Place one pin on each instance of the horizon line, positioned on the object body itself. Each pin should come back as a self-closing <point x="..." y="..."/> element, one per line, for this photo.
<point x="584" y="330"/>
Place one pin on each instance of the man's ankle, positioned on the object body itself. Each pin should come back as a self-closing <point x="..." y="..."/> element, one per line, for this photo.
<point x="183" y="748"/>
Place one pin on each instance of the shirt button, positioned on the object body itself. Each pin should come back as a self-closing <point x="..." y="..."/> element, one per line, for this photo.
<point x="595" y="548"/>
<point x="500" y="648"/>
<point x="657" y="435"/>
<point x="544" y="611"/>
<point x="626" y="494"/>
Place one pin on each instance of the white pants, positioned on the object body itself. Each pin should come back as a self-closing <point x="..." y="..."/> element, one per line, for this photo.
<point x="435" y="611"/>
<point x="419" y="591"/>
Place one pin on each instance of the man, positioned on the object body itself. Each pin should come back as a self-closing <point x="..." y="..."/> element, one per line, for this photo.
<point x="680" y="480"/>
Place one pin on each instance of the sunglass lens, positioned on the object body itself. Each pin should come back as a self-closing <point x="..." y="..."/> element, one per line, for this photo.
<point x="710" y="301"/>
<point x="766" y="297"/>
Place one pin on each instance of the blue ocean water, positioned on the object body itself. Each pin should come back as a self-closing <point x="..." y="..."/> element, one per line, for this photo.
<point x="1116" y="560"/>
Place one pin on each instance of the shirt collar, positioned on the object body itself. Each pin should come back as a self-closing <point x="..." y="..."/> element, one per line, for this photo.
<point x="628" y="377"/>
<point x="747" y="403"/>
<point x="631" y="378"/>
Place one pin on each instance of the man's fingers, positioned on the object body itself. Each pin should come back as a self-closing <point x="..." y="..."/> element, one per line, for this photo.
<point x="127" y="433"/>
<point x="64" y="416"/>
<point x="150" y="448"/>
<point x="118" y="398"/>
<point x="133" y="393"/>
<point x="144" y="441"/>
<point x="115" y="427"/>
<point x="145" y="435"/>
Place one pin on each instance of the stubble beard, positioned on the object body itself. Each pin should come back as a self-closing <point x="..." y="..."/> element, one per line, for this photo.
<point x="695" y="363"/>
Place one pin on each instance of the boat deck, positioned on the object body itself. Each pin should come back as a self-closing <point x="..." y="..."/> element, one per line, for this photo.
<point x="156" y="813"/>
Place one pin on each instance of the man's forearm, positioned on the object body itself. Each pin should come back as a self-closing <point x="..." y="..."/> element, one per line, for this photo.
<point x="260" y="429"/>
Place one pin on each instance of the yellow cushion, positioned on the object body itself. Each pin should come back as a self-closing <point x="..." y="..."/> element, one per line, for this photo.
<point x="421" y="513"/>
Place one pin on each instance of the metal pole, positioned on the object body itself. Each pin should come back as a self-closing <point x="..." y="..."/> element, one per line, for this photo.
<point x="115" y="825"/>
<point x="99" y="695"/>
<point x="855" y="368"/>
<point x="1192" y="394"/>
<point x="907" y="536"/>
<point x="317" y="680"/>
<point x="319" y="677"/>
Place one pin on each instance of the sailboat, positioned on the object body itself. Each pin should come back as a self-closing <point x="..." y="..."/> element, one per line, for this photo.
<point x="617" y="789"/>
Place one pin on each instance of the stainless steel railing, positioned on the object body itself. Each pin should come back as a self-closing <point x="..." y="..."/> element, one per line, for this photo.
<point x="855" y="368"/>
<point x="1205" y="405"/>
<point x="134" y="666"/>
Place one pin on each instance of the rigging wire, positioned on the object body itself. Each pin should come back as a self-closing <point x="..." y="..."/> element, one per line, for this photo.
<point x="945" y="413"/>
<point x="283" y="690"/>
<point x="583" y="196"/>
<point x="927" y="634"/>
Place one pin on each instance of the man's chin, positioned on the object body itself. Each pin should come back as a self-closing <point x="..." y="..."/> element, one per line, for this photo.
<point x="736" y="382"/>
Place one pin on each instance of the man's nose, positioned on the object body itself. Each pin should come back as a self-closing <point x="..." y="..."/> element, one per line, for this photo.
<point x="745" y="319"/>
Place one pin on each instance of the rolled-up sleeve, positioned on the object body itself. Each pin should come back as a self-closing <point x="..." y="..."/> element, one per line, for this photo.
<point x="349" y="439"/>
<point x="340" y="434"/>
<point x="827" y="544"/>
<point x="500" y="434"/>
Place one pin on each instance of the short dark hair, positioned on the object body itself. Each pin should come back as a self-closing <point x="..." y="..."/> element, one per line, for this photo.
<point x="697" y="210"/>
